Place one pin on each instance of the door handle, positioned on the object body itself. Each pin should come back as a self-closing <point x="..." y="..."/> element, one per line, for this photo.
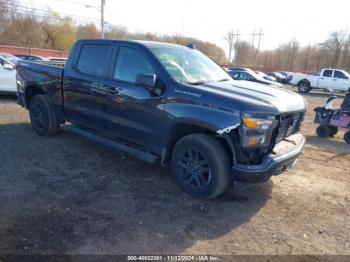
<point x="335" y="80"/>
<point x="98" y="90"/>
<point x="97" y="85"/>
<point x="69" y="81"/>
<point x="112" y="91"/>
<point x="322" y="77"/>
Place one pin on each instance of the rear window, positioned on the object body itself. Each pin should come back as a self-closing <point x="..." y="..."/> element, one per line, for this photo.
<point x="93" y="59"/>
<point x="327" y="73"/>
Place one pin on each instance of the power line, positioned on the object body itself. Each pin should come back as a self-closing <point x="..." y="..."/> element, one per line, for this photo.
<point x="47" y="12"/>
<point x="76" y="3"/>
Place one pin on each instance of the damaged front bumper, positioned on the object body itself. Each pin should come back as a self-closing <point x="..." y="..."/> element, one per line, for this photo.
<point x="284" y="157"/>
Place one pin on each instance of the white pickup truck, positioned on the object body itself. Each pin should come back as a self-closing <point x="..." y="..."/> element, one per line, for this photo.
<point x="329" y="79"/>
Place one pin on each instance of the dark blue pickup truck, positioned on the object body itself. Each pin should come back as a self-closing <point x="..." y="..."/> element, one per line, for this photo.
<point x="167" y="103"/>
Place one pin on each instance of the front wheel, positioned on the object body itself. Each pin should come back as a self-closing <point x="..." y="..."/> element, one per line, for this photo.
<point x="304" y="86"/>
<point x="201" y="166"/>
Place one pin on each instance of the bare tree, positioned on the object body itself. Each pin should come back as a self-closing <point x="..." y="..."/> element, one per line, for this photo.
<point x="335" y="43"/>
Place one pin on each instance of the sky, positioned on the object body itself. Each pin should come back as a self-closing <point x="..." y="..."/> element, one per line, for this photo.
<point x="308" y="21"/>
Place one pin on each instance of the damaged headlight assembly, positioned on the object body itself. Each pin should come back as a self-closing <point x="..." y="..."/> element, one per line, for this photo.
<point x="257" y="129"/>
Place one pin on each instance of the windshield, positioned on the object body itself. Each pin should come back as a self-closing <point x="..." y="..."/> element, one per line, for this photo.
<point x="189" y="65"/>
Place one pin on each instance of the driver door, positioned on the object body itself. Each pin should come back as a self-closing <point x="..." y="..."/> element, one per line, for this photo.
<point x="133" y="112"/>
<point x="326" y="79"/>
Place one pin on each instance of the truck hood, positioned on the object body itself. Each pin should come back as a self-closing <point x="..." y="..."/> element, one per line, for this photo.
<point x="256" y="97"/>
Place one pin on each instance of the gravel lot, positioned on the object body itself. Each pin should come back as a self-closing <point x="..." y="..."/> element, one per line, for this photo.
<point x="67" y="195"/>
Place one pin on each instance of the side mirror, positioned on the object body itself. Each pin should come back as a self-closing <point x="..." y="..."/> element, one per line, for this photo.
<point x="8" y="67"/>
<point x="146" y="80"/>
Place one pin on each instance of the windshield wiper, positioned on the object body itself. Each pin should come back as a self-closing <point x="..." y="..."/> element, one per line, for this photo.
<point x="223" y="80"/>
<point x="196" y="83"/>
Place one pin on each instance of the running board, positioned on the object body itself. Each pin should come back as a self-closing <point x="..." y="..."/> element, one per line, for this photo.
<point x="140" y="154"/>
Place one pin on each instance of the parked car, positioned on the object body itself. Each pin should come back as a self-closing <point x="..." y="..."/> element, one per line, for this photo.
<point x="265" y="76"/>
<point x="250" y="75"/>
<point x="288" y="75"/>
<point x="279" y="77"/>
<point x="57" y="59"/>
<point x="11" y="58"/>
<point x="7" y="77"/>
<point x="170" y="104"/>
<point x="238" y="68"/>
<point x="327" y="79"/>
<point x="30" y="57"/>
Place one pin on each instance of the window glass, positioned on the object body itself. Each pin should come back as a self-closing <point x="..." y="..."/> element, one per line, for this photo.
<point x="246" y="76"/>
<point x="327" y="73"/>
<point x="130" y="63"/>
<point x="339" y="74"/>
<point x="93" y="59"/>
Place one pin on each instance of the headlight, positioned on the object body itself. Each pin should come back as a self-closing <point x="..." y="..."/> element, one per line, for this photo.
<point x="258" y="122"/>
<point x="257" y="130"/>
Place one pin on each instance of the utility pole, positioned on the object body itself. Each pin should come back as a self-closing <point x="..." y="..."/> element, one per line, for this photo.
<point x="252" y="48"/>
<point x="229" y="39"/>
<point x="236" y="41"/>
<point x="257" y="52"/>
<point x="103" y="2"/>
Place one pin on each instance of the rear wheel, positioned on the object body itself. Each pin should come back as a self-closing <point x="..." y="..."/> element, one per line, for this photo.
<point x="304" y="86"/>
<point x="323" y="131"/>
<point x="200" y="166"/>
<point x="347" y="137"/>
<point x="41" y="116"/>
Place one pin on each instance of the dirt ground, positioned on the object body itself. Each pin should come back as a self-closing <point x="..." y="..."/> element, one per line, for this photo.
<point x="67" y="195"/>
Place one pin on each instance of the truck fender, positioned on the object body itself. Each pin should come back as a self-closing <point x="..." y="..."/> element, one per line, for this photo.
<point x="191" y="118"/>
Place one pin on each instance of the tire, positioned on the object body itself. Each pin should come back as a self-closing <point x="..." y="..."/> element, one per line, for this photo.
<point x="200" y="166"/>
<point x="333" y="130"/>
<point x="347" y="137"/>
<point x="323" y="131"/>
<point x="304" y="86"/>
<point x="41" y="116"/>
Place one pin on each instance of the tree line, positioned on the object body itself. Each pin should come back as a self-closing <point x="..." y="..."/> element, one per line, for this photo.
<point x="333" y="52"/>
<point x="49" y="30"/>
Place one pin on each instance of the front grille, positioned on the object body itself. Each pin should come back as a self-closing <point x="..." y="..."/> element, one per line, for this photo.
<point x="289" y="124"/>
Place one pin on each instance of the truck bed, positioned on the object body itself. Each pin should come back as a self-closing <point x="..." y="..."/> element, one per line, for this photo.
<point x="45" y="78"/>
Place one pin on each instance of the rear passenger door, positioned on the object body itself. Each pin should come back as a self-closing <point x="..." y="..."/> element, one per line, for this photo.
<point x="326" y="79"/>
<point x="84" y="85"/>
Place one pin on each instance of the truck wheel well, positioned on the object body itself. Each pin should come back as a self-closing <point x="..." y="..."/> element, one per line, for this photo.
<point x="183" y="130"/>
<point x="303" y="80"/>
<point x="30" y="92"/>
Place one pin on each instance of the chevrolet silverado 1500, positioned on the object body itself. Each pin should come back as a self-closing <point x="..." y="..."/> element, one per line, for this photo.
<point x="167" y="103"/>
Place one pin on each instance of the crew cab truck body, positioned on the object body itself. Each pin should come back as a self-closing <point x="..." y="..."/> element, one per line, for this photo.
<point x="327" y="79"/>
<point x="167" y="103"/>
